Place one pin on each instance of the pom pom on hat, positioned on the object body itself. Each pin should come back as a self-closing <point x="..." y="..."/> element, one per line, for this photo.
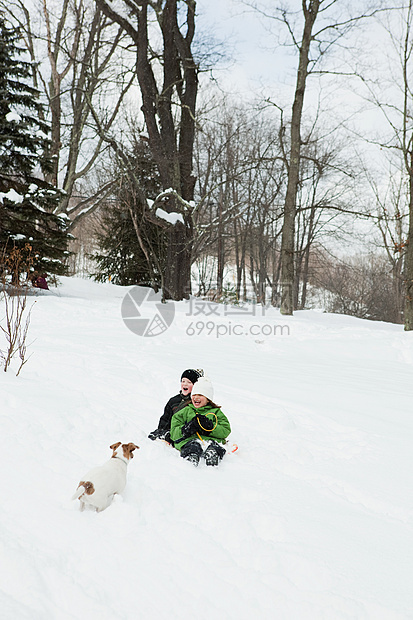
<point x="204" y="387"/>
<point x="191" y="374"/>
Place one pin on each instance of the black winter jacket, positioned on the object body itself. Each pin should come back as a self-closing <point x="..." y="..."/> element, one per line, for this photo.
<point x="173" y="405"/>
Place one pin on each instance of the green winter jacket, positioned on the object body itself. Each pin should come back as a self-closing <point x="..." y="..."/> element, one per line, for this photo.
<point x="181" y="417"/>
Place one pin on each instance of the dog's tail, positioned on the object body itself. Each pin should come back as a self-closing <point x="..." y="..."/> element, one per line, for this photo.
<point x="79" y="492"/>
<point x="84" y="488"/>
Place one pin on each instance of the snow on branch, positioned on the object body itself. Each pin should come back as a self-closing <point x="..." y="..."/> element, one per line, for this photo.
<point x="172" y="218"/>
<point x="13" y="116"/>
<point x="12" y="196"/>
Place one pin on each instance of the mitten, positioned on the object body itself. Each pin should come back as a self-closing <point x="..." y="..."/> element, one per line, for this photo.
<point x="206" y="425"/>
<point x="156" y="434"/>
<point x="168" y="438"/>
<point x="190" y="428"/>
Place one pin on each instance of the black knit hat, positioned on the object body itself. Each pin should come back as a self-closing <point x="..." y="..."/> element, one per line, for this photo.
<point x="192" y="374"/>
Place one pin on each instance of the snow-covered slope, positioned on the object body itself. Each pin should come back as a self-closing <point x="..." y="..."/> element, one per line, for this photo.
<point x="310" y="519"/>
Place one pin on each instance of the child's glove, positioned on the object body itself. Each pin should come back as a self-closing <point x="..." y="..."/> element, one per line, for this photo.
<point x="206" y="425"/>
<point x="167" y="438"/>
<point x="190" y="428"/>
<point x="156" y="434"/>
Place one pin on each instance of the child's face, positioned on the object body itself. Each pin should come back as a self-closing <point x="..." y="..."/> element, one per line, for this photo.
<point x="186" y="386"/>
<point x="199" y="401"/>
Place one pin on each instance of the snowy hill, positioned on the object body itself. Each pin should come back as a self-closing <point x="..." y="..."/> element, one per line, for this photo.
<point x="310" y="519"/>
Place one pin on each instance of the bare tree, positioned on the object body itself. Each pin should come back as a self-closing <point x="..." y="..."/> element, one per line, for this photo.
<point x="168" y="81"/>
<point x="360" y="286"/>
<point x="404" y="139"/>
<point x="220" y="161"/>
<point x="310" y="13"/>
<point x="240" y="174"/>
<point x="14" y="325"/>
<point x="77" y="63"/>
<point x="312" y="46"/>
<point x="390" y="215"/>
<point x="325" y="202"/>
<point x="394" y="201"/>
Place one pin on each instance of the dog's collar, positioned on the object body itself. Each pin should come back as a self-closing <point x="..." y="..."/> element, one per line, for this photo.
<point x="121" y="458"/>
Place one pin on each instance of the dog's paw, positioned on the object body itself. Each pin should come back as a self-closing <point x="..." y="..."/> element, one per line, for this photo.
<point x="117" y="499"/>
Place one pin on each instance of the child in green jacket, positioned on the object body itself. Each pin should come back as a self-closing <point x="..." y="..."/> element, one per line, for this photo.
<point x="199" y="429"/>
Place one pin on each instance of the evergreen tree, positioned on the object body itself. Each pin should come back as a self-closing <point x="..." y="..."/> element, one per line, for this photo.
<point x="27" y="201"/>
<point x="121" y="257"/>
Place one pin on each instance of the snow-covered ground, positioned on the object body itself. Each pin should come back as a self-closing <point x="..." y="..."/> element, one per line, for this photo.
<point x="310" y="519"/>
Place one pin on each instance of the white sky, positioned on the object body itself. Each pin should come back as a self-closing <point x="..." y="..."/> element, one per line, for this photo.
<point x="256" y="62"/>
<point x="261" y="66"/>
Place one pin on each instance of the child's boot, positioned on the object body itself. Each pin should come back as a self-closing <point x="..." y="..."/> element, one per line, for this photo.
<point x="213" y="454"/>
<point x="192" y="451"/>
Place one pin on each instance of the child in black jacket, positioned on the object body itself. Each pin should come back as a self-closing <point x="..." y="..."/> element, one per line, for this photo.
<point x="174" y="404"/>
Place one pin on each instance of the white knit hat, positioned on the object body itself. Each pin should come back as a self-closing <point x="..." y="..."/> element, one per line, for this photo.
<point x="204" y="387"/>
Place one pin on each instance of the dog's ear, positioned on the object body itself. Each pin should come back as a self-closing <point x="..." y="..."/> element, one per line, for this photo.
<point x="129" y="448"/>
<point x="115" y="446"/>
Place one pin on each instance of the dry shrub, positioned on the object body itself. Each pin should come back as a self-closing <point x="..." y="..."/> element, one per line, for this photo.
<point x="16" y="320"/>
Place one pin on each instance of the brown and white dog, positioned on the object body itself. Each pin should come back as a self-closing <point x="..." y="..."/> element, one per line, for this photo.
<point x="98" y="487"/>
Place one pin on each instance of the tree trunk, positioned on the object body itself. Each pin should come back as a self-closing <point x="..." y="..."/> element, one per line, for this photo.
<point x="220" y="251"/>
<point x="408" y="159"/>
<point x="262" y="266"/>
<point x="408" y="261"/>
<point x="169" y="112"/>
<point x="174" y="161"/>
<point x="287" y="242"/>
<point x="178" y="274"/>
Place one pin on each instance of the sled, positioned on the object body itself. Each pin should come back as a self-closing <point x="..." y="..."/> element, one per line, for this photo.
<point x="230" y="447"/>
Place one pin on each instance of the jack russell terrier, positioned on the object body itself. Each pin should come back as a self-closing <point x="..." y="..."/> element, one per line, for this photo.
<point x="100" y="484"/>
